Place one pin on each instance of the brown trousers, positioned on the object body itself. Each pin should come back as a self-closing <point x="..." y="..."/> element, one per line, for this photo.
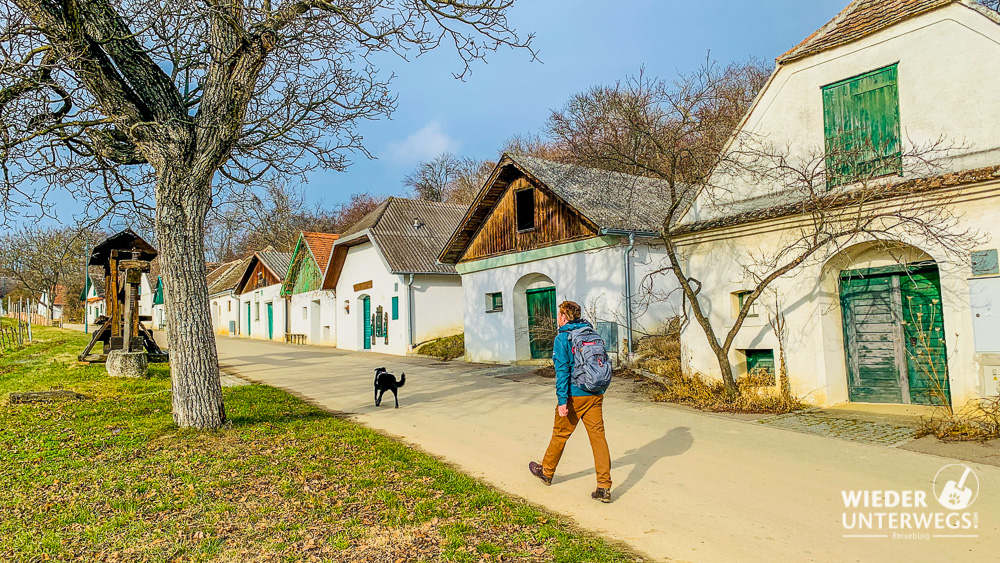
<point x="591" y="411"/>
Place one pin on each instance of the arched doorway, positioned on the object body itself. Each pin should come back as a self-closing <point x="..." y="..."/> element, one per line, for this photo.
<point x="534" y="316"/>
<point x="893" y="326"/>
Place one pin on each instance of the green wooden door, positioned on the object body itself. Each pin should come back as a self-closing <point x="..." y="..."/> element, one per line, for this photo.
<point x="270" y="320"/>
<point x="894" y="337"/>
<point x="367" y="312"/>
<point x="541" y="321"/>
<point x="248" y="318"/>
<point x="923" y="333"/>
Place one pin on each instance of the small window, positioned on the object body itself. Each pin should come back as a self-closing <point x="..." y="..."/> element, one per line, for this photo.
<point x="759" y="360"/>
<point x="305" y="313"/>
<point x="256" y="311"/>
<point x="229" y="306"/>
<point x="494" y="302"/>
<point x="524" y="203"/>
<point x="739" y="298"/>
<point x="260" y="279"/>
<point x="395" y="308"/>
<point x="984" y="263"/>
<point x="609" y="333"/>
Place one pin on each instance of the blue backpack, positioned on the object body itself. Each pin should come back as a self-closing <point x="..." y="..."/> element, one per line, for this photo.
<point x="591" y="364"/>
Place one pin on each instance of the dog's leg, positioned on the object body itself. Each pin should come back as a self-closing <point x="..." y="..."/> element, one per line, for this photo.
<point x="378" y="397"/>
<point x="395" y="396"/>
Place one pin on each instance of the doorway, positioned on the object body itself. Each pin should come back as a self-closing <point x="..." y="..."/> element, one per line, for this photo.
<point x="270" y="320"/>
<point x="542" y="327"/>
<point x="894" y="335"/>
<point x="366" y="313"/>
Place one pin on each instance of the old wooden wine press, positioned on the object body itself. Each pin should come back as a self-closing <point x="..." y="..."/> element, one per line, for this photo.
<point x="124" y="257"/>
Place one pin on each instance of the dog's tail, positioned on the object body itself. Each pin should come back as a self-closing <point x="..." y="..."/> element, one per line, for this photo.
<point x="402" y="380"/>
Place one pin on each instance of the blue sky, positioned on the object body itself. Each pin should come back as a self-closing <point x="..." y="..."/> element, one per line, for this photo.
<point x="581" y="43"/>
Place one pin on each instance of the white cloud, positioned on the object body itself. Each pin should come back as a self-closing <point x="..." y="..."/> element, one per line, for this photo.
<point x="424" y="144"/>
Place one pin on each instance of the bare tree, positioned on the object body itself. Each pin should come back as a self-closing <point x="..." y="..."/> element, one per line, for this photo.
<point x="682" y="133"/>
<point x="449" y="178"/>
<point x="168" y="103"/>
<point x="43" y="259"/>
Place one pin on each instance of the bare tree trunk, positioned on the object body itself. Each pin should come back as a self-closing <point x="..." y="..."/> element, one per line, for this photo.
<point x="194" y="364"/>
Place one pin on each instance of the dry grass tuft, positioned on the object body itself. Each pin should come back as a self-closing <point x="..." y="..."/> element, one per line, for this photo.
<point x="756" y="393"/>
<point x="977" y="421"/>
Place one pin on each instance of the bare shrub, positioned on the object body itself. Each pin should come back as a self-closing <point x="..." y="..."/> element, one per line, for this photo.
<point x="978" y="420"/>
<point x="756" y="393"/>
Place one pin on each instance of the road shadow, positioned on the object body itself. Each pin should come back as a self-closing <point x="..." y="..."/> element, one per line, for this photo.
<point x="673" y="443"/>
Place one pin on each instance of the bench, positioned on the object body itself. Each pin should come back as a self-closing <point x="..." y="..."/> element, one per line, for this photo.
<point x="295" y="338"/>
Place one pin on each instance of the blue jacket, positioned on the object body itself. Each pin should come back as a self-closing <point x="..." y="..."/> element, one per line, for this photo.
<point x="562" y="359"/>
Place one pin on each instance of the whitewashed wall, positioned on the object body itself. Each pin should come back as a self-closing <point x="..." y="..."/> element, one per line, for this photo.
<point x="257" y="324"/>
<point x="809" y="297"/>
<point x="947" y="89"/>
<point x="594" y="279"/>
<point x="225" y="308"/>
<point x="365" y="263"/>
<point x="313" y="314"/>
<point x="437" y="307"/>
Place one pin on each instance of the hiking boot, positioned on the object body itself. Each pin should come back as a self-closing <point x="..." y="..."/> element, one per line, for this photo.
<point x="601" y="494"/>
<point x="536" y="470"/>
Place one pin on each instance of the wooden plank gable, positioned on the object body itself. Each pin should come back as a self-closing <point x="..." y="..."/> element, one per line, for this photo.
<point x="555" y="222"/>
<point x="256" y="277"/>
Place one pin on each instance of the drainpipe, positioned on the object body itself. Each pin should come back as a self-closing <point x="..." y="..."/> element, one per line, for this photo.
<point x="627" y="260"/>
<point x="626" y="264"/>
<point x="409" y="312"/>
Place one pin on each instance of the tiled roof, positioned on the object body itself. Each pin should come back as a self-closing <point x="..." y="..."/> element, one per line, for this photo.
<point x="97" y="279"/>
<point x="275" y="261"/>
<point x="611" y="200"/>
<point x="860" y="19"/>
<point x="226" y="276"/>
<point x="321" y="246"/>
<point x="408" y="249"/>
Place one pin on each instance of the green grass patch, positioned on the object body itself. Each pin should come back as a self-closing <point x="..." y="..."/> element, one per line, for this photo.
<point x="111" y="478"/>
<point x="447" y="348"/>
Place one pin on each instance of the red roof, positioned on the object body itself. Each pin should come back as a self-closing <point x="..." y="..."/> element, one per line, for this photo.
<point x="321" y="245"/>
<point x="858" y="20"/>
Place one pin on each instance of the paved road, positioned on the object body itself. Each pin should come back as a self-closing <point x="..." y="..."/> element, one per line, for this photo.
<point x="688" y="486"/>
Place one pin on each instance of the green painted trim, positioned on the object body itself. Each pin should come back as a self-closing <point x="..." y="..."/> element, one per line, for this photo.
<point x="537" y="254"/>
<point x="912" y="268"/>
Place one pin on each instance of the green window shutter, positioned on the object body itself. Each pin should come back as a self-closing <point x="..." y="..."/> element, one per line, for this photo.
<point x="395" y="308"/>
<point x="760" y="359"/>
<point x="497" y="301"/>
<point x="862" y="128"/>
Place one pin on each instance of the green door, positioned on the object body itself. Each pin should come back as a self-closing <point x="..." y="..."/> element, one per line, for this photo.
<point x="248" y="318"/>
<point x="894" y="336"/>
<point x="270" y="320"/>
<point x="923" y="334"/>
<point x="541" y="321"/>
<point x="367" y="312"/>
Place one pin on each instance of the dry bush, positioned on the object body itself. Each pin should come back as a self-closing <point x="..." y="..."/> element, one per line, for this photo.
<point x="447" y="348"/>
<point x="756" y="393"/>
<point x="660" y="352"/>
<point x="978" y="420"/>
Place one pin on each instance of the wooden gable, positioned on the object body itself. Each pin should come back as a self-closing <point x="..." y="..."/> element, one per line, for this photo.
<point x="256" y="277"/>
<point x="555" y="222"/>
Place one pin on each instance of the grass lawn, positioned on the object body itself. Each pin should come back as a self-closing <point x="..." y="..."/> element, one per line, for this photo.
<point x="112" y="479"/>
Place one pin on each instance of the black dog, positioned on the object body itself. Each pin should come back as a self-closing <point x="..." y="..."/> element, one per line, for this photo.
<point x="385" y="381"/>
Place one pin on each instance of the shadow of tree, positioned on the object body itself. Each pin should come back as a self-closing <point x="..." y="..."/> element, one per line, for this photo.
<point x="673" y="443"/>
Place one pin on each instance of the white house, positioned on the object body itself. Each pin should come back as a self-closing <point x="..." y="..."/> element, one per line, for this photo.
<point x="542" y="232"/>
<point x="312" y="307"/>
<point x="56" y="303"/>
<point x="262" y="309"/>
<point x="391" y="293"/>
<point x="907" y="321"/>
<point x="225" y="304"/>
<point x="93" y="295"/>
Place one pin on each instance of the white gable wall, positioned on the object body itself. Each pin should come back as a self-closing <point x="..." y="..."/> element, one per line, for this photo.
<point x="594" y="279"/>
<point x="437" y="306"/>
<point x="947" y="88"/>
<point x="256" y="325"/>
<point x="364" y="263"/>
<point x="313" y="314"/>
<point x="226" y="318"/>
